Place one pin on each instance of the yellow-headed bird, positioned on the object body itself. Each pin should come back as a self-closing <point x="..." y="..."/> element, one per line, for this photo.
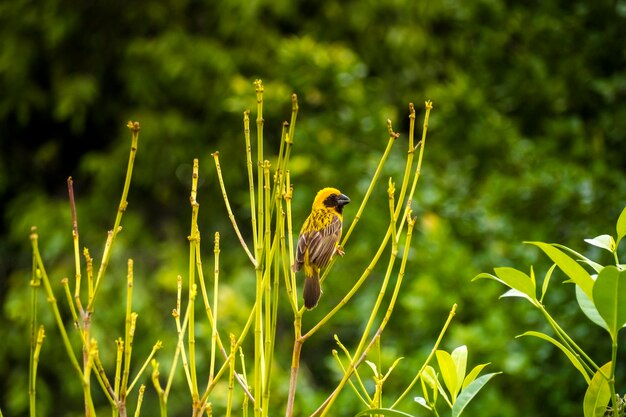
<point x="318" y="240"/>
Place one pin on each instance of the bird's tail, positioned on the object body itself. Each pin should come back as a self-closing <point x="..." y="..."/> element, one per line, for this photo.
<point x="311" y="291"/>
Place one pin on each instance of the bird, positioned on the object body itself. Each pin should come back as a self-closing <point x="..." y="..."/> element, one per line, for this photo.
<point x="319" y="241"/>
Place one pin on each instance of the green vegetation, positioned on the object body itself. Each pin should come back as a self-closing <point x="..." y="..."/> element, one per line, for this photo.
<point x="525" y="144"/>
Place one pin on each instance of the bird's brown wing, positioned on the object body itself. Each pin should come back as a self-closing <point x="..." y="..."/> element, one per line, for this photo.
<point x="323" y="243"/>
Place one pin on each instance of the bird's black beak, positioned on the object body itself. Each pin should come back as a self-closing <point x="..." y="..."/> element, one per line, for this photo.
<point x="342" y="200"/>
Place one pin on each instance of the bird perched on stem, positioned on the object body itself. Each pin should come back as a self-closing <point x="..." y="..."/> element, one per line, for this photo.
<point x="319" y="240"/>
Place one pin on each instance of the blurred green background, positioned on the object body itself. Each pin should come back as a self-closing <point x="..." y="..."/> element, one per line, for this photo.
<point x="526" y="142"/>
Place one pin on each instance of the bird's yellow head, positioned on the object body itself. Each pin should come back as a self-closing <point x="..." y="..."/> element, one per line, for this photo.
<point x="330" y="199"/>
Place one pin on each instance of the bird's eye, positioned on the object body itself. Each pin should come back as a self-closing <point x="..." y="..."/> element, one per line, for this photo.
<point x="331" y="200"/>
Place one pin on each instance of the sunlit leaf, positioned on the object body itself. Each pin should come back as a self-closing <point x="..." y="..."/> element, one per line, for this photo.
<point x="598" y="394"/>
<point x="469" y="393"/>
<point x="546" y="282"/>
<point x="621" y="226"/>
<point x="587" y="307"/>
<point x="422" y="401"/>
<point x="581" y="258"/>
<point x="571" y="356"/>
<point x="609" y="297"/>
<point x="459" y="356"/>
<point x="373" y="366"/>
<point x="448" y="372"/>
<point x="603" y="241"/>
<point x="569" y="266"/>
<point x="471" y="376"/>
<point x="517" y="280"/>
<point x="430" y="377"/>
<point x="515" y="293"/>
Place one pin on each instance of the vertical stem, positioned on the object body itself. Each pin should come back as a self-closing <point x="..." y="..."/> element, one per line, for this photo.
<point x="216" y="251"/>
<point x="231" y="375"/>
<point x="75" y="238"/>
<point x="295" y="363"/>
<point x="35" y="283"/>
<point x="246" y="129"/>
<point x="134" y="127"/>
<point x="194" y="239"/>
<point x="118" y="370"/>
<point x="258" y="320"/>
<point x="428" y="105"/>
<point x="130" y="316"/>
<point x="259" y="123"/>
<point x="614" y="398"/>
<point x="409" y="162"/>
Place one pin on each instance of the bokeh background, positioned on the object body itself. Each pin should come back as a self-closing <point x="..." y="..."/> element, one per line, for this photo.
<point x="526" y="142"/>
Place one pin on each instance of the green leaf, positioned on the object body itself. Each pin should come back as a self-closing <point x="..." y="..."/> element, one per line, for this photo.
<point x="515" y="293"/>
<point x="609" y="297"/>
<point x="473" y="374"/>
<point x="590" y="310"/>
<point x="596" y="266"/>
<point x="598" y="393"/>
<point x="373" y="366"/>
<point x="430" y="377"/>
<point x="621" y="226"/>
<point x="603" y="241"/>
<point x="570" y="355"/>
<point x="570" y="267"/>
<point x="422" y="401"/>
<point x="469" y="393"/>
<point x="521" y="284"/>
<point x="517" y="280"/>
<point x="448" y="372"/>
<point x="459" y="356"/>
<point x="383" y="412"/>
<point x="546" y="282"/>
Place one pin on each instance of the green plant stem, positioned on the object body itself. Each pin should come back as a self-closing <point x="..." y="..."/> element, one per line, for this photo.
<point x="359" y="213"/>
<point x="429" y="358"/>
<point x="611" y="379"/>
<point x="231" y="376"/>
<point x="231" y="216"/>
<point x="157" y="346"/>
<point x="246" y="131"/>
<point x="54" y="307"/>
<point x="75" y="239"/>
<point x="367" y="401"/>
<point x="362" y="349"/>
<point x="216" y="274"/>
<point x="290" y="283"/>
<point x="409" y="159"/>
<point x="194" y="240"/>
<point x="35" y="283"/>
<point x="209" y="314"/>
<point x="295" y="362"/>
<point x="128" y="349"/>
<point x="128" y="331"/>
<point x="418" y="169"/>
<point x="180" y="328"/>
<point x="569" y="343"/>
<point x="259" y="124"/>
<point x="134" y="127"/>
<point x="157" y="387"/>
<point x="139" y="400"/>
<point x="119" y="357"/>
<point x="33" y="374"/>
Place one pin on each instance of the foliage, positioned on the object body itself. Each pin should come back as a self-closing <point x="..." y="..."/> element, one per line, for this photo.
<point x="601" y="297"/>
<point x="527" y="143"/>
